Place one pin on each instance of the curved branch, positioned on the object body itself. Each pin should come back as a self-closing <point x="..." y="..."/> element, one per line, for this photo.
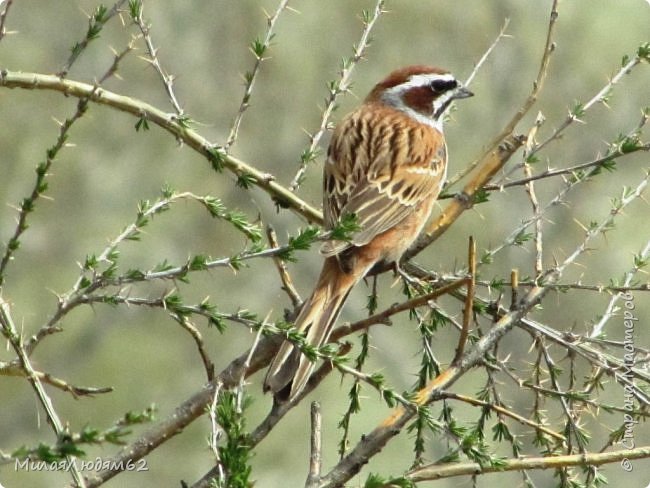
<point x="169" y="122"/>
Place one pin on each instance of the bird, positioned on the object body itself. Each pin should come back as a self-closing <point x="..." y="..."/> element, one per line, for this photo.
<point x="386" y="165"/>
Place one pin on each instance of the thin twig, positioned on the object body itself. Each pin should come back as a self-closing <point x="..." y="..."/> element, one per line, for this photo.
<point x="28" y="203"/>
<point x="628" y="196"/>
<point x="216" y="432"/>
<point x="117" y="58"/>
<point x="259" y="49"/>
<point x="486" y="54"/>
<point x="436" y="472"/>
<point x="383" y="317"/>
<point x="598" y="97"/>
<point x="549" y="47"/>
<point x="503" y="411"/>
<point x="283" y="271"/>
<point x="469" y="302"/>
<point x="597" y="329"/>
<point x="42" y="171"/>
<point x="15" y="339"/>
<point x="477" y="66"/>
<point x="168" y="80"/>
<point x="249" y="359"/>
<point x="566" y="402"/>
<point x="514" y="287"/>
<point x="95" y="24"/>
<point x="342" y="86"/>
<point x="572" y="395"/>
<point x="530" y="190"/>
<point x="566" y="171"/>
<point x="515" y="236"/>
<point x="571" y="286"/>
<point x="371" y="380"/>
<point x="208" y="365"/>
<point x="13" y="369"/>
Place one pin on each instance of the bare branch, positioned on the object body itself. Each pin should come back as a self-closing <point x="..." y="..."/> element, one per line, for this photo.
<point x="285" y="277"/>
<point x="208" y="365"/>
<point x="382" y="317"/>
<point x="486" y="54"/>
<point x="13" y="368"/>
<point x="598" y="97"/>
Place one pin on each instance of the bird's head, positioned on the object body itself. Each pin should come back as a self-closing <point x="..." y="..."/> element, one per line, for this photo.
<point x="423" y="92"/>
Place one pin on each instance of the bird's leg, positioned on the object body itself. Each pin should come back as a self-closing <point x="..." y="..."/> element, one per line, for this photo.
<point x="407" y="278"/>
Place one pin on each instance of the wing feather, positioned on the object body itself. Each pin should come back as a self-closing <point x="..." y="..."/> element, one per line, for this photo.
<point x="381" y="165"/>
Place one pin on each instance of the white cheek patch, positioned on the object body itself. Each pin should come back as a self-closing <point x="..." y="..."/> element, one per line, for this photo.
<point x="393" y="97"/>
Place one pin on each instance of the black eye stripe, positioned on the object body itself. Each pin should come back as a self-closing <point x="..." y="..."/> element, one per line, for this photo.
<point x="442" y="85"/>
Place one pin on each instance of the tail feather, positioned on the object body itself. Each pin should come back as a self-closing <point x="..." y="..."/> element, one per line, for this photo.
<point x="316" y="319"/>
<point x="321" y="333"/>
<point x="285" y="363"/>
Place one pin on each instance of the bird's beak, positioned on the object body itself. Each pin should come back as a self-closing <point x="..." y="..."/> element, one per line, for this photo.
<point x="462" y="92"/>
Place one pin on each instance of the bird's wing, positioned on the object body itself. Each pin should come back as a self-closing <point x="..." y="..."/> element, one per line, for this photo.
<point x="380" y="167"/>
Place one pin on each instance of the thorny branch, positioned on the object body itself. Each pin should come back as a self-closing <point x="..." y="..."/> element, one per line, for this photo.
<point x="96" y="22"/>
<point x="168" y="80"/>
<point x="259" y="49"/>
<point x="377" y="439"/>
<point x="14" y="369"/>
<point x="10" y="331"/>
<point x="436" y="472"/>
<point x="170" y="123"/>
<point x="598" y="328"/>
<point x="264" y="347"/>
<point x="336" y="89"/>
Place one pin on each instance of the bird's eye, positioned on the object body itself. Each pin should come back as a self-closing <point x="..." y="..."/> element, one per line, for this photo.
<point x="442" y="85"/>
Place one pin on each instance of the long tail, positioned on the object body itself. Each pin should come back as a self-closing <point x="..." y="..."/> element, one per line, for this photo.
<point x="317" y="318"/>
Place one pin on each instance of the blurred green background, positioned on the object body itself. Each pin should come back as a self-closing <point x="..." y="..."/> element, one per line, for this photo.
<point x="96" y="183"/>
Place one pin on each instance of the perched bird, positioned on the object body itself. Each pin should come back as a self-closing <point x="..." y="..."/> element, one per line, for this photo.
<point x="386" y="164"/>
